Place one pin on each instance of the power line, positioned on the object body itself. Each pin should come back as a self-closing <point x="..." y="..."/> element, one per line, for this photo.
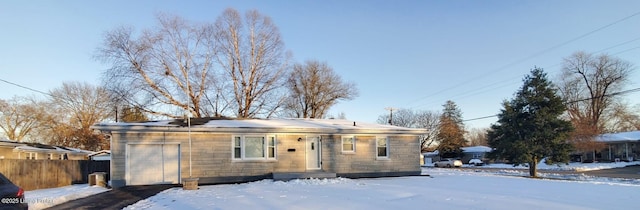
<point x="570" y="102"/>
<point x="510" y="80"/>
<point x="28" y="88"/>
<point x="531" y="56"/>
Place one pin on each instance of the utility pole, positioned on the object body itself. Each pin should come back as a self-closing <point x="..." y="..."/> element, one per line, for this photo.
<point x="390" y="114"/>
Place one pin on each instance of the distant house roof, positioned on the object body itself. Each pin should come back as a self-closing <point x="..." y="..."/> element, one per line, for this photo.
<point x="619" y="137"/>
<point x="39" y="147"/>
<point x="476" y="149"/>
<point x="101" y="152"/>
<point x="262" y="125"/>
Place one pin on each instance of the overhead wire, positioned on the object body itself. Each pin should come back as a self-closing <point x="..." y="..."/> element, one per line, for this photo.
<point x="534" y="55"/>
<point x="570" y="102"/>
<point x="28" y="88"/>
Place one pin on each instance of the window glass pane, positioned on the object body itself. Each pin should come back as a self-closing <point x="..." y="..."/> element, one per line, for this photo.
<point x="272" y="152"/>
<point x="272" y="141"/>
<point x="347" y="144"/>
<point x="382" y="147"/>
<point x="382" y="151"/>
<point x="254" y="147"/>
<point x="236" y="152"/>
<point x="237" y="141"/>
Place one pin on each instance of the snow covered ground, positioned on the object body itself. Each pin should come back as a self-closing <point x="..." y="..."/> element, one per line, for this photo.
<point x="578" y="167"/>
<point x="443" y="189"/>
<point x="44" y="198"/>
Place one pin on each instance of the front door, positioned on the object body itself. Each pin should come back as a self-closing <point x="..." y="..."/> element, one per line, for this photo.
<point x="313" y="153"/>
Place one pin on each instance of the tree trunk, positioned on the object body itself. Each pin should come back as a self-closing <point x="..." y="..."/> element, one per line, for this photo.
<point x="533" y="168"/>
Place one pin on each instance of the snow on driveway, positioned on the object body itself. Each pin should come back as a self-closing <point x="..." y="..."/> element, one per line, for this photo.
<point x="44" y="198"/>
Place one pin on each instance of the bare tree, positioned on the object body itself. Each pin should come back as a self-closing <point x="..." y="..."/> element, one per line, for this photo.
<point x="251" y="53"/>
<point x="586" y="84"/>
<point x="163" y="70"/>
<point x="314" y="87"/>
<point x="19" y="117"/>
<point x="624" y="118"/>
<point x="431" y="121"/>
<point x="428" y="120"/>
<point x="74" y="108"/>
<point x="477" y="136"/>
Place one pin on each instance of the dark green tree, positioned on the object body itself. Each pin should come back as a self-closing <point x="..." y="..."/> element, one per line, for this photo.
<point x="529" y="127"/>
<point x="451" y="131"/>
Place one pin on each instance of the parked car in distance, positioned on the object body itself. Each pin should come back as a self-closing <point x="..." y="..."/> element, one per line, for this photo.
<point x="12" y="196"/>
<point x="448" y="163"/>
<point x="476" y="162"/>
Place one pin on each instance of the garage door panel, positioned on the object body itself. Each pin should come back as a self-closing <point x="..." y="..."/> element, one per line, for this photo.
<point x="171" y="163"/>
<point x="153" y="164"/>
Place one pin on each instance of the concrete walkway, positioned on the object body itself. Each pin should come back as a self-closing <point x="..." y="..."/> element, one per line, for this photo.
<point x="116" y="198"/>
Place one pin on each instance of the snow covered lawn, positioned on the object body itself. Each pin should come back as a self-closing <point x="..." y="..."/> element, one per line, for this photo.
<point x="44" y="198"/>
<point x="444" y="189"/>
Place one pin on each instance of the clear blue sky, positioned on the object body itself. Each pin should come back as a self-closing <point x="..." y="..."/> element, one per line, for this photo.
<point x="403" y="54"/>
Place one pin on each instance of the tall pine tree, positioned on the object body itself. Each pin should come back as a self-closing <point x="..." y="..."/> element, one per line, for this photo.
<point x="451" y="132"/>
<point x="529" y="128"/>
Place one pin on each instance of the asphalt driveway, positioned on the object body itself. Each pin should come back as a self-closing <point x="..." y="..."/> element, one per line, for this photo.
<point x="116" y="198"/>
<point x="629" y="172"/>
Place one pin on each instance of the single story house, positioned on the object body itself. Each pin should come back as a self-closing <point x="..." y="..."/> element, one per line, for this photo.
<point x="218" y="150"/>
<point x="475" y="152"/>
<point x="100" y="155"/>
<point x="37" y="151"/>
<point x="623" y="146"/>
<point x="468" y="153"/>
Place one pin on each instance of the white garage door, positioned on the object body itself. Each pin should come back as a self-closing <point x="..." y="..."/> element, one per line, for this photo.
<point x="153" y="164"/>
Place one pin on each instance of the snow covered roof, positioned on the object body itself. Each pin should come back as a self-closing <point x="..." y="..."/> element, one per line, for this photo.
<point x="47" y="148"/>
<point x="296" y="125"/>
<point x="101" y="152"/>
<point x="476" y="149"/>
<point x="616" y="137"/>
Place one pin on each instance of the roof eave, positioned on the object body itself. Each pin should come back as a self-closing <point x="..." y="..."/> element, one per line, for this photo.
<point x="140" y="128"/>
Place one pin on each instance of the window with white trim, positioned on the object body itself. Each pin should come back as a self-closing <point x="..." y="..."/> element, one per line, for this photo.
<point x="348" y="144"/>
<point x="31" y="155"/>
<point x="382" y="147"/>
<point x="254" y="147"/>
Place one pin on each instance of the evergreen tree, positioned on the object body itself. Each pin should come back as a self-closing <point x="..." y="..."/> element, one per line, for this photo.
<point x="529" y="127"/>
<point x="451" y="130"/>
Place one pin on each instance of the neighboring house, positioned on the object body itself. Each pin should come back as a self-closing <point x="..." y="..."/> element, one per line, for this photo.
<point x="475" y="152"/>
<point x="624" y="146"/>
<point x="430" y="157"/>
<point x="6" y="149"/>
<point x="37" y="151"/>
<point x="468" y="153"/>
<point x="230" y="151"/>
<point x="100" y="155"/>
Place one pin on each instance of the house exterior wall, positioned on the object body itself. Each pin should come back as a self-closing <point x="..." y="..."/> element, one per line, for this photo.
<point x="403" y="158"/>
<point x="473" y="155"/>
<point x="212" y="160"/>
<point x="7" y="153"/>
<point x="622" y="151"/>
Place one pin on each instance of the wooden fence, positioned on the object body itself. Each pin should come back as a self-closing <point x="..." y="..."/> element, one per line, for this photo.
<point x="41" y="174"/>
